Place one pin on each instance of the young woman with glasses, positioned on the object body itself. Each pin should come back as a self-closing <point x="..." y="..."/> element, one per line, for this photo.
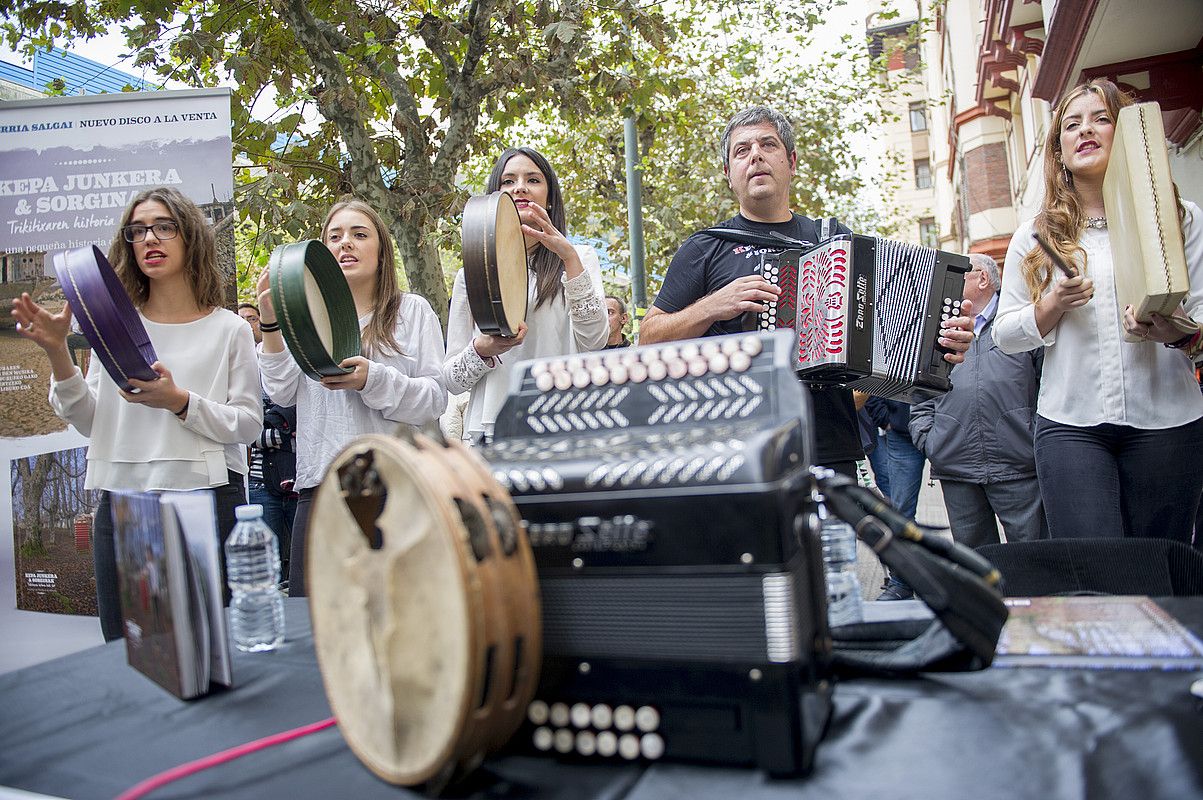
<point x="189" y="428"/>
<point x="566" y="311"/>
<point x="1119" y="426"/>
<point x="397" y="379"/>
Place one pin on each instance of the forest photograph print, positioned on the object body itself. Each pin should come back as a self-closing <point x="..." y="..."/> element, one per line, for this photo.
<point x="52" y="533"/>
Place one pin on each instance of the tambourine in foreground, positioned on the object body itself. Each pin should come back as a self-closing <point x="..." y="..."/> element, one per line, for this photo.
<point x="314" y="307"/>
<point x="106" y="315"/>
<point x="425" y="606"/>
<point x="495" y="271"/>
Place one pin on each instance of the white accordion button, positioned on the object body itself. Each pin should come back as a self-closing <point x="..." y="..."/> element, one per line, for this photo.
<point x="638" y="372"/>
<point x="602" y="715"/>
<point x="539" y="368"/>
<point x="677" y="369"/>
<point x="580" y="714"/>
<point x="711" y="348"/>
<point x="628" y="746"/>
<point x="563" y="380"/>
<point x="624" y="718"/>
<point x="607" y="744"/>
<point x="618" y="374"/>
<point x="689" y="351"/>
<point x="545" y="382"/>
<point x="647" y="719"/>
<point x="559" y="714"/>
<point x="580" y="378"/>
<point x="750" y="345"/>
<point x="574" y="363"/>
<point x="542" y="739"/>
<point x="657" y="371"/>
<point x="586" y="743"/>
<point x="599" y="375"/>
<point x="652" y="746"/>
<point x="536" y="712"/>
<point x="731" y="345"/>
<point x="719" y="363"/>
<point x="564" y="740"/>
<point x="698" y="367"/>
<point x="740" y="361"/>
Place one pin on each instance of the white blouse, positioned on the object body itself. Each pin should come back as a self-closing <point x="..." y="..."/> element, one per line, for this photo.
<point x="575" y="322"/>
<point x="138" y="448"/>
<point x="401" y="387"/>
<point x="1091" y="375"/>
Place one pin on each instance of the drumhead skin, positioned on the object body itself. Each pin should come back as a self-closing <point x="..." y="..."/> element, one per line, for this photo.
<point x="106" y="315"/>
<point x="495" y="271"/>
<point x="414" y="602"/>
<point x="314" y="307"/>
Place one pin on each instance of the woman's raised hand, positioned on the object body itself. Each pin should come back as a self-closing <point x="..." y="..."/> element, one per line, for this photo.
<point x="48" y="331"/>
<point x="267" y="313"/>
<point x="538" y="225"/>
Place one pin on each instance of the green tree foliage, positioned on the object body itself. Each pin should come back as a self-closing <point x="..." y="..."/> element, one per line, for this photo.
<point x="406" y="102"/>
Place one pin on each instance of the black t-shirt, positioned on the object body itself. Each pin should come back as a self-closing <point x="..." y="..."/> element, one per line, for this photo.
<point x="705" y="264"/>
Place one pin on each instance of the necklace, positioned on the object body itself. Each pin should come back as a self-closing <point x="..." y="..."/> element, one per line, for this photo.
<point x="1098" y="223"/>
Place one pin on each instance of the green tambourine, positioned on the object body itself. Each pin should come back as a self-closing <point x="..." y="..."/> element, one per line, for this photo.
<point x="314" y="307"/>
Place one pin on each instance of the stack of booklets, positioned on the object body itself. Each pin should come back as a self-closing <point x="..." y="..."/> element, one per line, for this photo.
<point x="1095" y="632"/>
<point x="169" y="577"/>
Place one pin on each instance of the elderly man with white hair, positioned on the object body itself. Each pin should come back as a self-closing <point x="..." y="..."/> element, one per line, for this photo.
<point x="978" y="437"/>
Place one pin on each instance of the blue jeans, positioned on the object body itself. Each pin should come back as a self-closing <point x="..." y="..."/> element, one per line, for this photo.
<point x="1113" y="480"/>
<point x="906" y="472"/>
<point x="881" y="465"/>
<point x="278" y="513"/>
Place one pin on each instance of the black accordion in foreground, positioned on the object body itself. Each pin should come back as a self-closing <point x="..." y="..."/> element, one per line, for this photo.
<point x="666" y="494"/>
<point x="867" y="313"/>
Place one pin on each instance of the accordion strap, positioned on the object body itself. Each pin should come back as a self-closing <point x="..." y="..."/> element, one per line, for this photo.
<point x="773" y="239"/>
<point x="960" y="587"/>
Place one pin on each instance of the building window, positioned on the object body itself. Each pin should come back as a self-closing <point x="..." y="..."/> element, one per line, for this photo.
<point x="923" y="174"/>
<point x="918" y="117"/>
<point x="928" y="236"/>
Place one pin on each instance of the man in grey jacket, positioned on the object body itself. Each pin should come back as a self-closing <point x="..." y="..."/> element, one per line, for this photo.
<point x="978" y="437"/>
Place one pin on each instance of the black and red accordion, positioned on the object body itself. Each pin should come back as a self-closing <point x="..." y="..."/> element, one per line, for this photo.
<point x="868" y="312"/>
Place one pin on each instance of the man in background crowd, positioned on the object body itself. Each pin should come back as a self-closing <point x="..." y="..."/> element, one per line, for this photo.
<point x="978" y="437"/>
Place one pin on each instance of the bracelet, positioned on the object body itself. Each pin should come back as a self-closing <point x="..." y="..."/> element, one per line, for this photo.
<point x="1186" y="341"/>
<point x="269" y="327"/>
<point x="183" y="411"/>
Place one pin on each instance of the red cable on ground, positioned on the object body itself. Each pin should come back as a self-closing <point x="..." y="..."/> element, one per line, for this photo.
<point x="193" y="767"/>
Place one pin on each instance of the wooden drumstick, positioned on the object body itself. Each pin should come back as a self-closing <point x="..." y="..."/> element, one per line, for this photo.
<point x="1054" y="257"/>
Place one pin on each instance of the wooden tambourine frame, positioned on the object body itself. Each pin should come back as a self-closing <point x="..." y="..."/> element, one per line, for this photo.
<point x="315" y="308"/>
<point x="495" y="271"/>
<point x="424" y="600"/>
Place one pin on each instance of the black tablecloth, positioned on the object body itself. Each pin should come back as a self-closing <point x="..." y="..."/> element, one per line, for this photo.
<point x="87" y="725"/>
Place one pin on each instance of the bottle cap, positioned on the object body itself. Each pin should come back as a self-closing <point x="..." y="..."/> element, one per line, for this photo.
<point x="251" y="511"/>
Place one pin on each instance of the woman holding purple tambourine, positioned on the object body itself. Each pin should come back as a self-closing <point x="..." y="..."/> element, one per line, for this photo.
<point x="188" y="428"/>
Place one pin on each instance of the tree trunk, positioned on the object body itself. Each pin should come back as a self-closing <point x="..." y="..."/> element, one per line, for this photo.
<point x="423" y="268"/>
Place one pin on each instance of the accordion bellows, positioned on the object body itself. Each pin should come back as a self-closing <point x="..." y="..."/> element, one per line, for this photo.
<point x="1142" y="216"/>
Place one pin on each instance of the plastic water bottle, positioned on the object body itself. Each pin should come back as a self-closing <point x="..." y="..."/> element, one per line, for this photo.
<point x="839" y="564"/>
<point x="253" y="570"/>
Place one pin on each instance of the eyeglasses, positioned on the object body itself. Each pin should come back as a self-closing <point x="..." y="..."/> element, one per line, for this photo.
<point x="165" y="229"/>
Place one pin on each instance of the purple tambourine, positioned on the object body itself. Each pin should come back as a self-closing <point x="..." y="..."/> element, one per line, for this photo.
<point x="106" y="315"/>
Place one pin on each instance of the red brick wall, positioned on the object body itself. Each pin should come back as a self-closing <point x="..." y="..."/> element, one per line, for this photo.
<point x="986" y="177"/>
